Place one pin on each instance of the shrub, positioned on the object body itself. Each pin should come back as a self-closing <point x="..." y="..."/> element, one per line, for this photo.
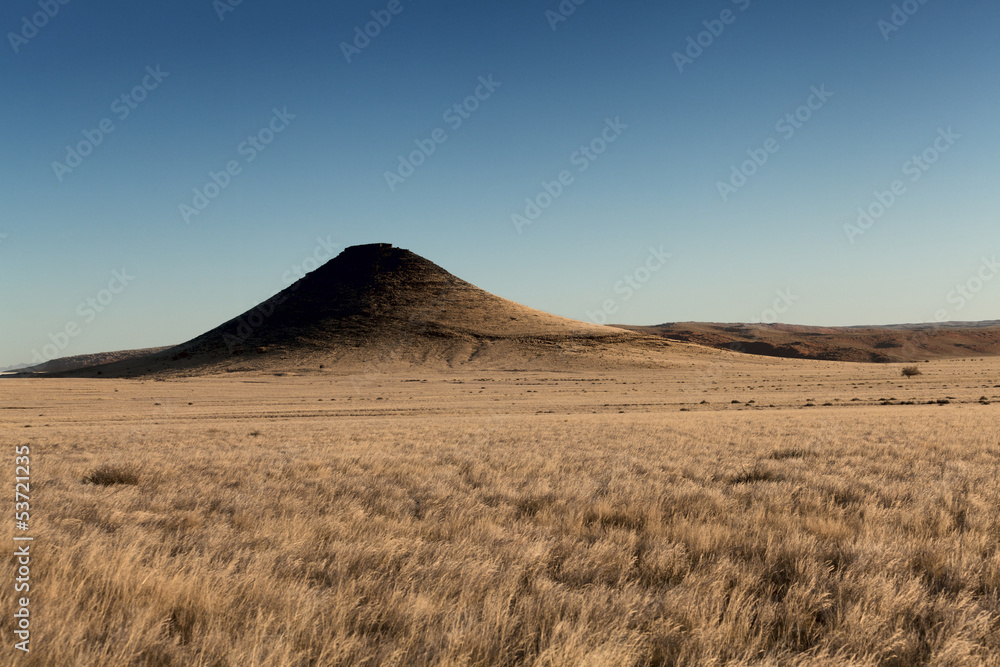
<point x="910" y="371"/>
<point x="757" y="473"/>
<point x="790" y="453"/>
<point x="110" y="474"/>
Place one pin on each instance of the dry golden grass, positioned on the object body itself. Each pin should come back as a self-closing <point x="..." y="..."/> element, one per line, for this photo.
<point x="514" y="518"/>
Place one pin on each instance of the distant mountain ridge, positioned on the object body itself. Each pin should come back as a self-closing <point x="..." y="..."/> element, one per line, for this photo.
<point x="897" y="343"/>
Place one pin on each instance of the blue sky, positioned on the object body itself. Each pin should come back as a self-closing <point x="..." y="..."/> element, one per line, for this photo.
<point x="774" y="247"/>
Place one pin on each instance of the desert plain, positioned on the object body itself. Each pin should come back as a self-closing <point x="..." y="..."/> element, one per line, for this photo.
<point x="724" y="509"/>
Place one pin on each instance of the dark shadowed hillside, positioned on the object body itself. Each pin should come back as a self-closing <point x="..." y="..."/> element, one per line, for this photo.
<point x="86" y="360"/>
<point x="375" y="305"/>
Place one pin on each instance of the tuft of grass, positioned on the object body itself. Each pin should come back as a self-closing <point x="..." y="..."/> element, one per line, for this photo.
<point x="110" y="474"/>
<point x="910" y="371"/>
<point x="756" y="473"/>
<point x="790" y="453"/>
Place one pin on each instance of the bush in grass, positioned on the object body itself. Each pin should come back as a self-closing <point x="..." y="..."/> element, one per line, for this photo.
<point x="110" y="474"/>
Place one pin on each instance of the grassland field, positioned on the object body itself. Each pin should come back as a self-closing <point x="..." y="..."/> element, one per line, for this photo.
<point x="728" y="510"/>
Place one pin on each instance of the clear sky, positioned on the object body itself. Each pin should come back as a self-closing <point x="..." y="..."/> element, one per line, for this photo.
<point x="648" y="112"/>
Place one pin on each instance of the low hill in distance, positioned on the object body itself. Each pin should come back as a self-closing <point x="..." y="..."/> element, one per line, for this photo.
<point x="880" y="344"/>
<point x="79" y="361"/>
